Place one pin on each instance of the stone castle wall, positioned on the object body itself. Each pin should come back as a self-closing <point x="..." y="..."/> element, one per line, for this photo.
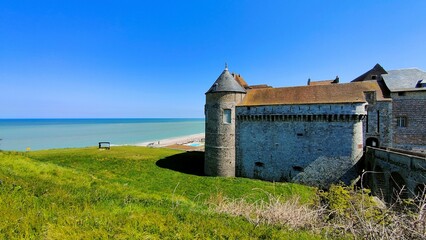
<point x="412" y="106"/>
<point x="377" y="123"/>
<point x="391" y="172"/>
<point x="220" y="136"/>
<point x="311" y="144"/>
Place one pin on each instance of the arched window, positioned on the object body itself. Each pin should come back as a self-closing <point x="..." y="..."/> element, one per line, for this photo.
<point x="380" y="182"/>
<point x="420" y="191"/>
<point x="226" y="115"/>
<point x="372" y="142"/>
<point x="397" y="187"/>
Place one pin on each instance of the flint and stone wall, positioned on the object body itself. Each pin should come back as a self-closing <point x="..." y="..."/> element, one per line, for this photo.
<point x="310" y="144"/>
<point x="410" y="104"/>
<point x="392" y="172"/>
<point x="377" y="123"/>
<point x="220" y="136"/>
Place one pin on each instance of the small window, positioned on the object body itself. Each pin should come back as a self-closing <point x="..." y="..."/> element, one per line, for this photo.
<point x="226" y="115"/>
<point x="401" y="121"/>
<point x="378" y="121"/>
<point x="401" y="93"/>
<point x="373" y="77"/>
<point x="259" y="164"/>
<point x="298" y="168"/>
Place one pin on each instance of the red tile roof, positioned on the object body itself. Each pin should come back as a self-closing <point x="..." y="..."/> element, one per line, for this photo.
<point x="317" y="94"/>
<point x="259" y="86"/>
<point x="240" y="80"/>
<point x="325" y="82"/>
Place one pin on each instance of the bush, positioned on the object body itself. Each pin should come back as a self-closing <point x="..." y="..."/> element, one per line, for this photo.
<point x="289" y="213"/>
<point x="355" y="212"/>
<point x="343" y="212"/>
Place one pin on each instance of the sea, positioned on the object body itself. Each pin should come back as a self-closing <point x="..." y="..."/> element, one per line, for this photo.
<point x="38" y="134"/>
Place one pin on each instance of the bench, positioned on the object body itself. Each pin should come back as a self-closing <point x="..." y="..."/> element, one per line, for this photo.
<point x="104" y="145"/>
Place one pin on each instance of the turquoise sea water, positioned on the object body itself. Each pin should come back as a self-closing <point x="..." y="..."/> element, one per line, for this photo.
<point x="19" y="134"/>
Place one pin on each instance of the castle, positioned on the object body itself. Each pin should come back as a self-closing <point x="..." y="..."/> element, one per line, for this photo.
<point x="314" y="134"/>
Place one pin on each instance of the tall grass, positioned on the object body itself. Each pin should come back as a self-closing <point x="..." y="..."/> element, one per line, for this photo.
<point x="367" y="217"/>
<point x="290" y="213"/>
<point x="343" y="212"/>
<point x="128" y="192"/>
<point x="146" y="193"/>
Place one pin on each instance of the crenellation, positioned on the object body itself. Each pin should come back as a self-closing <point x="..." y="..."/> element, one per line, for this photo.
<point x="302" y="118"/>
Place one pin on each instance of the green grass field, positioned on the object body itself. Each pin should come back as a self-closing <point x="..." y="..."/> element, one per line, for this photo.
<point x="128" y="193"/>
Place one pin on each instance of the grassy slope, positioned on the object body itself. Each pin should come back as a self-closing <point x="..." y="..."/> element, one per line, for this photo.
<point x="127" y="192"/>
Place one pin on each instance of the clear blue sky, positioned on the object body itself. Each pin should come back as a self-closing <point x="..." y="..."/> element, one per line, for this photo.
<point x="157" y="58"/>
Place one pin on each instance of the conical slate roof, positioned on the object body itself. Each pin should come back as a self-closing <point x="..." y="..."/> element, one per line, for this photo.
<point x="226" y="83"/>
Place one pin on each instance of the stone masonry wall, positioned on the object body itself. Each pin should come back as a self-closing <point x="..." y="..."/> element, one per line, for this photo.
<point x="412" y="106"/>
<point x="377" y="123"/>
<point x="311" y="144"/>
<point x="220" y="136"/>
<point x="388" y="167"/>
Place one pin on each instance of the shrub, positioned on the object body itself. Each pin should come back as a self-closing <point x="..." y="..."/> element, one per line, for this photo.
<point x="273" y="211"/>
<point x="355" y="212"/>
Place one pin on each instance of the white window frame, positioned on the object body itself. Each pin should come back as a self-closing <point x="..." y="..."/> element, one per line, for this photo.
<point x="227" y="116"/>
<point x="401" y="121"/>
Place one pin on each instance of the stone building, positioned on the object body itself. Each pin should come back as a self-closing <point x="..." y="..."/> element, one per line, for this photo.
<point x="311" y="134"/>
<point x="408" y="93"/>
<point x="399" y="123"/>
<point x="377" y="131"/>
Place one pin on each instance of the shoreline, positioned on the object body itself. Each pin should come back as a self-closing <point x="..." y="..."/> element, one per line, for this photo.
<point x="173" y="142"/>
<point x="199" y="137"/>
<point x="44" y="134"/>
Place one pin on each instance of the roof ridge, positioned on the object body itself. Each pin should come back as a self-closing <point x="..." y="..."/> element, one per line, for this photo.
<point x="410" y="68"/>
<point x="328" y="85"/>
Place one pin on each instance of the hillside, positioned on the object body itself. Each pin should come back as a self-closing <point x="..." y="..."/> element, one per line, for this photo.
<point x="130" y="192"/>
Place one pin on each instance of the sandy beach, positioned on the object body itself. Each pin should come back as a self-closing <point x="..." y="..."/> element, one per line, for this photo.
<point x="174" y="141"/>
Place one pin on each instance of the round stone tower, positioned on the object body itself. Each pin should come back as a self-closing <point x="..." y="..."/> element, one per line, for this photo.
<point x="221" y="100"/>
